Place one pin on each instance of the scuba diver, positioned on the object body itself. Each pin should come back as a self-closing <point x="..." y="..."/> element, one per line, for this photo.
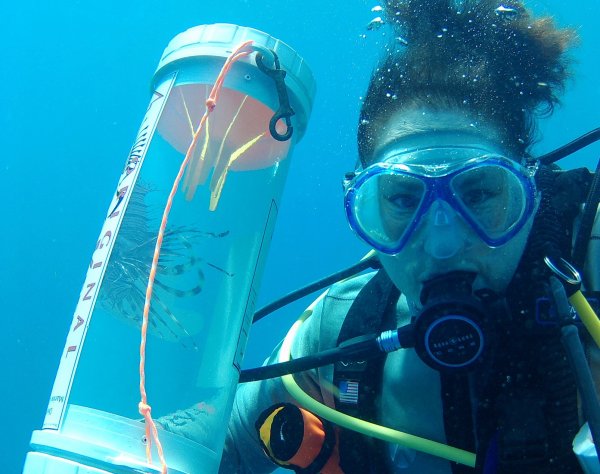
<point x="469" y="229"/>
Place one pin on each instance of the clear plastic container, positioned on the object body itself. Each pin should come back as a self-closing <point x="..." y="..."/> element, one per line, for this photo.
<point x="210" y="266"/>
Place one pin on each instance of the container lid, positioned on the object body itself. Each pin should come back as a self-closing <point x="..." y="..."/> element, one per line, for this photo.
<point x="218" y="40"/>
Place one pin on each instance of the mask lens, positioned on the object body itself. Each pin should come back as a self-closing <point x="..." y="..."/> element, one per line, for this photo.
<point x="492" y="197"/>
<point x="386" y="205"/>
<point x="492" y="194"/>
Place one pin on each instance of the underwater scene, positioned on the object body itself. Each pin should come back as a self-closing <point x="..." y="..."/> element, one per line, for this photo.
<point x="78" y="96"/>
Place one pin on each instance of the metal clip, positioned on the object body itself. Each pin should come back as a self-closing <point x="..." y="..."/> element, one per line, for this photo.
<point x="284" y="112"/>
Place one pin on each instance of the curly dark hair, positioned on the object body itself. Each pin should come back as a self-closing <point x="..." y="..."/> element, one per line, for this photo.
<point x="490" y="59"/>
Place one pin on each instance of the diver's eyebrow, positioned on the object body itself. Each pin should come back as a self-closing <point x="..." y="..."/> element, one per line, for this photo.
<point x="471" y="179"/>
<point x="479" y="177"/>
<point x="393" y="185"/>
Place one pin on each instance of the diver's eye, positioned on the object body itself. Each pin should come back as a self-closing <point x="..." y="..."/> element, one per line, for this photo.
<point x="475" y="197"/>
<point x="400" y="195"/>
<point x="405" y="202"/>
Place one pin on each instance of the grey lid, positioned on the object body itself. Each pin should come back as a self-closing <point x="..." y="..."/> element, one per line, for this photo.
<point x="219" y="39"/>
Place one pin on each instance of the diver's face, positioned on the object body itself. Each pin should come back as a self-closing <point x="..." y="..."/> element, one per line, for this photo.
<point x="443" y="242"/>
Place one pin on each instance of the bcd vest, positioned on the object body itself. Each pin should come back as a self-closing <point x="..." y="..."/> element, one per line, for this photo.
<point x="518" y="413"/>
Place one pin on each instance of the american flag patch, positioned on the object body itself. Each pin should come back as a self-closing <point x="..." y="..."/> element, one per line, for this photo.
<point x="349" y="392"/>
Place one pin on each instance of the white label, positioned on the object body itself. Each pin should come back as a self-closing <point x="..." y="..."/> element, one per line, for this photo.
<point x="95" y="273"/>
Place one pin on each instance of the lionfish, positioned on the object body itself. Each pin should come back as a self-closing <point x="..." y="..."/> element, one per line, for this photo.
<point x="124" y="288"/>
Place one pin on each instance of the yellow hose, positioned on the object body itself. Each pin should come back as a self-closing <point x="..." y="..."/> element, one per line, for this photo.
<point x="587" y="315"/>
<point x="370" y="429"/>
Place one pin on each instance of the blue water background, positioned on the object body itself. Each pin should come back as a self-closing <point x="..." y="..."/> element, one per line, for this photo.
<point x="75" y="85"/>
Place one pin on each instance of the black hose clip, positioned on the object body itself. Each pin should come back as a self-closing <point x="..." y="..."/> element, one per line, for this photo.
<point x="284" y="111"/>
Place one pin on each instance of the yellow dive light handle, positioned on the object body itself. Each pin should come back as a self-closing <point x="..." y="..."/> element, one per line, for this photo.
<point x="356" y="424"/>
<point x="587" y="315"/>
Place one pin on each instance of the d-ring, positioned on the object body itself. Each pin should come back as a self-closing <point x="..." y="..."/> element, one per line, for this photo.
<point x="570" y="276"/>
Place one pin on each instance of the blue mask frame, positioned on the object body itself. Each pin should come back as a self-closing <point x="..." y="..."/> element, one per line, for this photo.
<point x="436" y="180"/>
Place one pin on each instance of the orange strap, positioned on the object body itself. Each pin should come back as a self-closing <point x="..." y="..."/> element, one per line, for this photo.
<point x="144" y="408"/>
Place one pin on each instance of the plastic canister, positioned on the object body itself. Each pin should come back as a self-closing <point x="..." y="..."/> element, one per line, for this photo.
<point x="210" y="265"/>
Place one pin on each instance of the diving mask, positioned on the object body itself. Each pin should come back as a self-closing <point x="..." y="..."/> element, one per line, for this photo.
<point x="386" y="202"/>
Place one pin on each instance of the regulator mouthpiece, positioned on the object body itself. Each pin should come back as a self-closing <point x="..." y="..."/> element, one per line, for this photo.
<point x="450" y="330"/>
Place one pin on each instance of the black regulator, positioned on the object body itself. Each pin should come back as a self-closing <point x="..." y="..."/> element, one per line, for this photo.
<point x="451" y="332"/>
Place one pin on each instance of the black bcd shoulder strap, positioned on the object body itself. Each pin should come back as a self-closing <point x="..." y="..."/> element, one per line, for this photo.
<point x="373" y="311"/>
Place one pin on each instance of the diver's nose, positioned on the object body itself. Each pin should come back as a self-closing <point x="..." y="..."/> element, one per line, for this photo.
<point x="444" y="234"/>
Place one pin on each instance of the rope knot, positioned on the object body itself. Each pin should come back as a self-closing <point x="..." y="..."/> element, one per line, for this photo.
<point x="144" y="409"/>
<point x="210" y="104"/>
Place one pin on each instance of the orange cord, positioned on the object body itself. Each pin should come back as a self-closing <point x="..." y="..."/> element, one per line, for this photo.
<point x="144" y="408"/>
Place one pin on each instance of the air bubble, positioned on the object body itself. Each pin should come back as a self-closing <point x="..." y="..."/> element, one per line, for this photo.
<point x="375" y="23"/>
<point x="506" y="12"/>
